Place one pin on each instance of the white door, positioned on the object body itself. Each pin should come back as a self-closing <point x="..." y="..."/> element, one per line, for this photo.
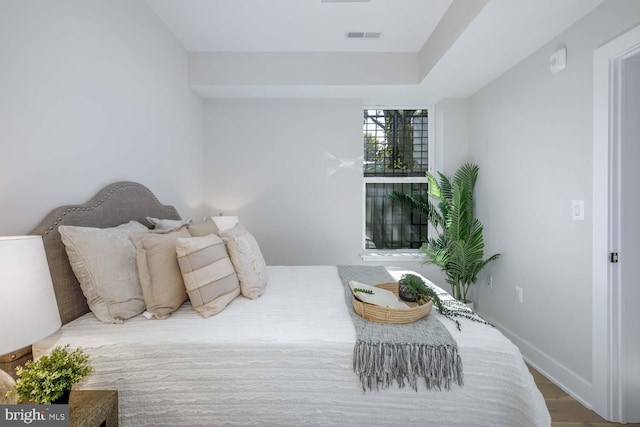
<point x="630" y="237"/>
<point x="616" y="228"/>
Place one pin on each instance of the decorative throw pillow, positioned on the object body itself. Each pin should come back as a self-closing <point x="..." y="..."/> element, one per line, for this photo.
<point x="167" y="224"/>
<point x="378" y="296"/>
<point x="208" y="274"/>
<point x="162" y="285"/>
<point x="104" y="262"/>
<point x="247" y="260"/>
<point x="204" y="228"/>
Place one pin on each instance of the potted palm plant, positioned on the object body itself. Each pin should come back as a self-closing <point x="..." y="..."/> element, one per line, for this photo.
<point x="458" y="249"/>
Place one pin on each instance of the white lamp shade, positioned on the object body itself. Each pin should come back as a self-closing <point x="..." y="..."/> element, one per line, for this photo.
<point x="28" y="309"/>
<point x="225" y="222"/>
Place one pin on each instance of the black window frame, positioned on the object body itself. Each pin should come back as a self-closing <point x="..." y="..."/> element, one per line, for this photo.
<point x="382" y="171"/>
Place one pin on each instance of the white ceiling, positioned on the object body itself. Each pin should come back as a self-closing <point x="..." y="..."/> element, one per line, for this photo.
<point x="503" y="33"/>
<point x="299" y="25"/>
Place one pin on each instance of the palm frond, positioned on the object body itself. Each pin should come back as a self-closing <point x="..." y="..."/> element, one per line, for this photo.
<point x="446" y="186"/>
<point x="467" y="176"/>
<point x="420" y="205"/>
<point x="434" y="187"/>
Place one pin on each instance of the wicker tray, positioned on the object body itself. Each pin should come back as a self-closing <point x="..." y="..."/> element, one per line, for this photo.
<point x="376" y="313"/>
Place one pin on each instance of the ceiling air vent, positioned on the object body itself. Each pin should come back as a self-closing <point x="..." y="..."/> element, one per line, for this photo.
<point x="363" y="35"/>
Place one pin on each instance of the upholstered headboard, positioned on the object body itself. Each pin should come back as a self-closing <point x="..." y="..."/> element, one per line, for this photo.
<point x="113" y="205"/>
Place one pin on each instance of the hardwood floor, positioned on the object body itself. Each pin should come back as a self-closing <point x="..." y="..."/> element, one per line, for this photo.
<point x="566" y="411"/>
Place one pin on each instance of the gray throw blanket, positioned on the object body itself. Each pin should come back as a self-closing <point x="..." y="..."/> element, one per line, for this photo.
<point x="385" y="353"/>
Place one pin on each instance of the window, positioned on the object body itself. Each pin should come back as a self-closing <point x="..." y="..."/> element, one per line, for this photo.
<point x="396" y="157"/>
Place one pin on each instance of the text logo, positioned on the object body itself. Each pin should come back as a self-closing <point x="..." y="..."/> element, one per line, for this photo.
<point x="34" y="415"/>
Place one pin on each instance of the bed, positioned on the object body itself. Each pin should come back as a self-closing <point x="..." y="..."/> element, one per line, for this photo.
<point x="283" y="359"/>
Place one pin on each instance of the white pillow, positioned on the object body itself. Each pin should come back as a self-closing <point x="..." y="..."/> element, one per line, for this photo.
<point x="104" y="262"/>
<point x="167" y="224"/>
<point x="247" y="260"/>
<point x="204" y="228"/>
<point x="381" y="297"/>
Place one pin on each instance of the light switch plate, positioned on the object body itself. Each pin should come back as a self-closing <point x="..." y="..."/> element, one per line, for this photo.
<point x="577" y="210"/>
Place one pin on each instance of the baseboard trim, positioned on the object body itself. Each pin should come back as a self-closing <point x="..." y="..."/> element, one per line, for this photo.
<point x="574" y="385"/>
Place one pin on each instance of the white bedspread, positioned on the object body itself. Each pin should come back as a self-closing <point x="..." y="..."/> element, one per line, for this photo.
<point x="285" y="359"/>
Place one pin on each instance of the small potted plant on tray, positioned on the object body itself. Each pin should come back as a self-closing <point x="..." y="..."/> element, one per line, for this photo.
<point x="407" y="287"/>
<point x="49" y="378"/>
<point x="416" y="290"/>
<point x="420" y="292"/>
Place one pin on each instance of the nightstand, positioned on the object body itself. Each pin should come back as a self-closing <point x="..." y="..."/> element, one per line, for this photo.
<point x="93" y="408"/>
<point x="9" y="362"/>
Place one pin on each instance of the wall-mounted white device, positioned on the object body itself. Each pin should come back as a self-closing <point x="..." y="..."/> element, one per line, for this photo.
<point x="558" y="60"/>
<point x="577" y="210"/>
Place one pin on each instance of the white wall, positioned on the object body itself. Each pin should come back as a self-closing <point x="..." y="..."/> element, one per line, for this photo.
<point x="301" y="69"/>
<point x="93" y="92"/>
<point x="451" y="135"/>
<point x="531" y="134"/>
<point x="292" y="171"/>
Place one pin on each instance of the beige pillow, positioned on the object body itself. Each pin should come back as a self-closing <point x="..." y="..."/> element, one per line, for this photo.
<point x="208" y="274"/>
<point x="247" y="260"/>
<point x="104" y="262"/>
<point x="204" y="228"/>
<point x="162" y="285"/>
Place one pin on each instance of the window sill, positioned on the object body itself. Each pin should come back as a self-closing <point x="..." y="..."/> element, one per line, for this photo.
<point x="407" y="256"/>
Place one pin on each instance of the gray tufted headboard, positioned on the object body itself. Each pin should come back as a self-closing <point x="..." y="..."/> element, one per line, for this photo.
<point x="113" y="205"/>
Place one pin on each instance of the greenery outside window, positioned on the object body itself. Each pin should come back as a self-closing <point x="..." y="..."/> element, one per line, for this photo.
<point x="396" y="158"/>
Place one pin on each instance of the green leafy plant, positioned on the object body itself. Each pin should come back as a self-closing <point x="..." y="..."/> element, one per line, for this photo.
<point x="419" y="290"/>
<point x="50" y="376"/>
<point x="364" y="291"/>
<point x="422" y="294"/>
<point x="406" y="283"/>
<point x="458" y="249"/>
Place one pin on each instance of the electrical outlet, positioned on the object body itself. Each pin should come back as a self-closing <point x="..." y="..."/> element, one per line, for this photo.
<point x="519" y="294"/>
<point x="490" y="282"/>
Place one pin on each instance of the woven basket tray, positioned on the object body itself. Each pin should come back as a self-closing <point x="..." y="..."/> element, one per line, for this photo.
<point x="376" y="313"/>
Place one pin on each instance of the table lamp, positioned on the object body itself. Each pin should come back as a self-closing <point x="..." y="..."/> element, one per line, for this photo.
<point x="28" y="308"/>
<point x="224" y="222"/>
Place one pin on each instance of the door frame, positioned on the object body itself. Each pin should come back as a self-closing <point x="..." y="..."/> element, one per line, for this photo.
<point x="607" y="369"/>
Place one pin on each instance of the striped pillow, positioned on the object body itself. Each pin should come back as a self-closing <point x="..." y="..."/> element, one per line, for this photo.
<point x="208" y="274"/>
